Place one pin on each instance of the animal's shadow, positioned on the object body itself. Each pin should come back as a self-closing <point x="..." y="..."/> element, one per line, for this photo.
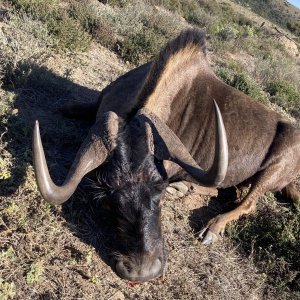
<point x="226" y="200"/>
<point x="223" y="202"/>
<point x="40" y="96"/>
<point x="92" y="222"/>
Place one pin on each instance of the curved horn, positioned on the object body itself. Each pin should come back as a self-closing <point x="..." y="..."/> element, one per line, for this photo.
<point x="169" y="147"/>
<point x="92" y="153"/>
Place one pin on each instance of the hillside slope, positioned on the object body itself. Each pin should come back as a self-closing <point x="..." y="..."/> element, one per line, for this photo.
<point x="55" y="51"/>
<point x="280" y="12"/>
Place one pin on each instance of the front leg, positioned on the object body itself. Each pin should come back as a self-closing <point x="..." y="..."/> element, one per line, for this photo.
<point x="278" y="174"/>
<point x="216" y="226"/>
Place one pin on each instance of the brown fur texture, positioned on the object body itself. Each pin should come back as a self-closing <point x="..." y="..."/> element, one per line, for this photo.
<point x="179" y="87"/>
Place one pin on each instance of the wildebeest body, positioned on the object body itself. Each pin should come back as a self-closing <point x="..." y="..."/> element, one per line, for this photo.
<point x="175" y="91"/>
<point x="253" y="130"/>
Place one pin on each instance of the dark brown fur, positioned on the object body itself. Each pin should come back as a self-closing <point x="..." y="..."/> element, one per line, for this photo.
<point x="179" y="87"/>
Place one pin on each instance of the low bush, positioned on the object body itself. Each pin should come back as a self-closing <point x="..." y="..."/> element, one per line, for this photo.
<point x="91" y="22"/>
<point x="243" y="20"/>
<point x="294" y="27"/>
<point x="285" y="95"/>
<point x="227" y="33"/>
<point x="140" y="47"/>
<point x="245" y="84"/>
<point x="271" y="237"/>
<point x="67" y="31"/>
<point x="242" y="82"/>
<point x="69" y="34"/>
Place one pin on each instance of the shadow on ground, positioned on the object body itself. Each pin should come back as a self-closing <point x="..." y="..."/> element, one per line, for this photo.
<point x="224" y="202"/>
<point x="40" y="96"/>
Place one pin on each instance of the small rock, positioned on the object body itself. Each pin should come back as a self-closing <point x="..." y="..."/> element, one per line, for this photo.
<point x="174" y="192"/>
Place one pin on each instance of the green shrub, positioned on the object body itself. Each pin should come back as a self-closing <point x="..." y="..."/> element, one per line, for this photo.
<point x="140" y="47"/>
<point x="285" y="95"/>
<point x="38" y="9"/>
<point x="242" y="82"/>
<point x="85" y="14"/>
<point x="245" y="84"/>
<point x="67" y="32"/>
<point x="227" y="33"/>
<point x="271" y="237"/>
<point x="91" y="22"/>
<point x="225" y="74"/>
<point x="294" y="27"/>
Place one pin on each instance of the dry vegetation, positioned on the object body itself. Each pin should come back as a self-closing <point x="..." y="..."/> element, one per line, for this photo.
<point x="280" y="12"/>
<point x="53" y="51"/>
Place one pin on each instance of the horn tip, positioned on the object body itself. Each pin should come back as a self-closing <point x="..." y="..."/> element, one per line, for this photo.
<point x="36" y="131"/>
<point x="36" y="125"/>
<point x="216" y="104"/>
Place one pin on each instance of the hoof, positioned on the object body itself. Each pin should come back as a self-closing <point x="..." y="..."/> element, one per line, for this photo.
<point x="209" y="238"/>
<point x="177" y="189"/>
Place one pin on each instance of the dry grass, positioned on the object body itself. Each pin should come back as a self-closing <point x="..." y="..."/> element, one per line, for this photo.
<point x="64" y="253"/>
<point x="53" y="253"/>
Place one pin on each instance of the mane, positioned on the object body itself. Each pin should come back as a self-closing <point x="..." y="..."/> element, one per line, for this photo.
<point x="176" y="53"/>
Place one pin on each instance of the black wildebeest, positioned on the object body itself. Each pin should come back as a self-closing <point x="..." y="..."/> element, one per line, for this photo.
<point x="158" y="123"/>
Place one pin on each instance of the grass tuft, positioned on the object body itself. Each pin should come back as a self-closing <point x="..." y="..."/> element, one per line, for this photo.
<point x="35" y="273"/>
<point x="242" y="82"/>
<point x="140" y="47"/>
<point x="7" y="290"/>
<point x="272" y="237"/>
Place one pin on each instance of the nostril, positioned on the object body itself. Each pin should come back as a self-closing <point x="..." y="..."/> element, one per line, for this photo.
<point x="139" y="272"/>
<point x="124" y="268"/>
<point x="127" y="266"/>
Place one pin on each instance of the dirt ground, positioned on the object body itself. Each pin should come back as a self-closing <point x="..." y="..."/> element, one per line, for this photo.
<point x="49" y="252"/>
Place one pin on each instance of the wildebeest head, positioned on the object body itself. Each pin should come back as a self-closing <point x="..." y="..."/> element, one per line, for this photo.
<point x="135" y="180"/>
<point x="131" y="184"/>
